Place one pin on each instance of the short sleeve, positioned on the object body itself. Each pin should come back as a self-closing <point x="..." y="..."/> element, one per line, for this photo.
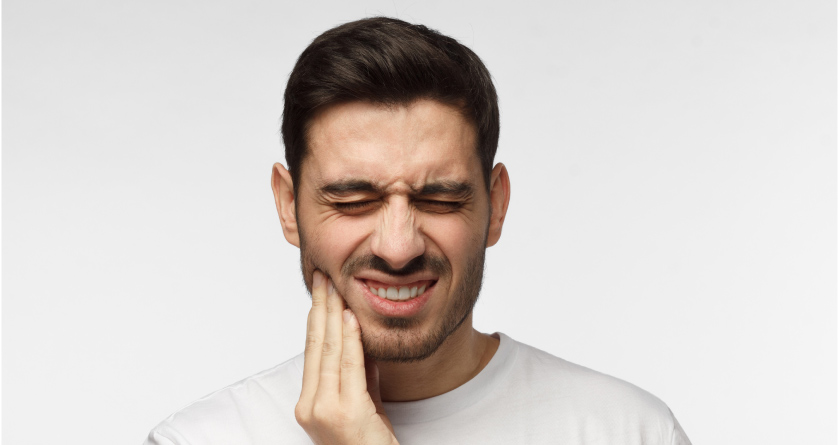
<point x="679" y="437"/>
<point x="157" y="438"/>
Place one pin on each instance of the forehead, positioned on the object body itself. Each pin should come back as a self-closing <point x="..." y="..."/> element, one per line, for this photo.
<point x="391" y="146"/>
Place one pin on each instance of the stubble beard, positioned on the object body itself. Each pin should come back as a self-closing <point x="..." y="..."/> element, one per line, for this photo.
<point x="400" y="339"/>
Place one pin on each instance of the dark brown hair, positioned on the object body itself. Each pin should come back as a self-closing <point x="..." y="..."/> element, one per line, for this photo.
<point x="391" y="62"/>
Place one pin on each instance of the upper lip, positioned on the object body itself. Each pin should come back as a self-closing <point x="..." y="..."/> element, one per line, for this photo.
<point x="396" y="281"/>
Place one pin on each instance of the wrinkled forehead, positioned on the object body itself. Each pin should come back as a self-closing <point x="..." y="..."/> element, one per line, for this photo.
<point x="403" y="146"/>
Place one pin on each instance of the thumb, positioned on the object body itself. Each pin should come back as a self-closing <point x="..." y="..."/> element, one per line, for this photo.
<point x="372" y="374"/>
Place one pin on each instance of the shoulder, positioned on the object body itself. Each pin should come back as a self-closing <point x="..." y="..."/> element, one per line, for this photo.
<point x="254" y="405"/>
<point x="595" y="399"/>
<point x="589" y="385"/>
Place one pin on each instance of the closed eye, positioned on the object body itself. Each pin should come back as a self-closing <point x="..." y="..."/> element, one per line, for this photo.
<point x="438" y="206"/>
<point x="354" y="206"/>
<point x="359" y="207"/>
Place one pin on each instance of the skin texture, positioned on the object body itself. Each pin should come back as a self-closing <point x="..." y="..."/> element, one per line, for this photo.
<point x="339" y="402"/>
<point x="366" y="208"/>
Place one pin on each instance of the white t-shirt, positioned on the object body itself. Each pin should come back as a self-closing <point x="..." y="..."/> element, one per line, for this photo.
<point x="523" y="396"/>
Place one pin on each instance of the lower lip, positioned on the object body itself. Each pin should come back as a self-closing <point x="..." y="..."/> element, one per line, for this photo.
<point x="389" y="308"/>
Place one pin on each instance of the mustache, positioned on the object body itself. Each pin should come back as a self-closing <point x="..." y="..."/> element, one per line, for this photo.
<point x="436" y="264"/>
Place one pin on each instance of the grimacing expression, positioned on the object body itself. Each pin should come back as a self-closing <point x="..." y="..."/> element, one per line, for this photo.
<point x="393" y="197"/>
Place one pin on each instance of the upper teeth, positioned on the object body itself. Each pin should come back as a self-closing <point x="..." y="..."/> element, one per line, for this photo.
<point x="398" y="293"/>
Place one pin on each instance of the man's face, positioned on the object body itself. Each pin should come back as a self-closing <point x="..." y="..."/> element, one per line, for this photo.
<point x="392" y="201"/>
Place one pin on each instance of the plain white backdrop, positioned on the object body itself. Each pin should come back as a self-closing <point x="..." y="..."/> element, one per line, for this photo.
<point x="672" y="222"/>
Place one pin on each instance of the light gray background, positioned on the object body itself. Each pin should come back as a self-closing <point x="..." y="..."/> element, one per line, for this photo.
<point x="672" y="223"/>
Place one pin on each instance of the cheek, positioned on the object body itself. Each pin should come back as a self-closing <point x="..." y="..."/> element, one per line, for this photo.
<point x="336" y="239"/>
<point x="457" y="237"/>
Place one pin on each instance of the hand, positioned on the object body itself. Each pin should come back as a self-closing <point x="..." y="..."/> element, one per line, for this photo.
<point x="340" y="402"/>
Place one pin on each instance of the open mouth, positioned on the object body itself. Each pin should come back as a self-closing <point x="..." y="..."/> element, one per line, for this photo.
<point x="402" y="292"/>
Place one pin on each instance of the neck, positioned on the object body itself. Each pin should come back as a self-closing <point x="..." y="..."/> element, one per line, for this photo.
<point x="460" y="358"/>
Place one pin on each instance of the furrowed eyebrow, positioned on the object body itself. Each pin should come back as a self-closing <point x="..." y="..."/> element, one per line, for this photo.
<point x="450" y="188"/>
<point x="349" y="187"/>
<point x="352" y="186"/>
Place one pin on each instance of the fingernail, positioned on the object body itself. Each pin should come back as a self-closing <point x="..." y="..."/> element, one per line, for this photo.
<point x="347" y="315"/>
<point x="331" y="288"/>
<point x="317" y="279"/>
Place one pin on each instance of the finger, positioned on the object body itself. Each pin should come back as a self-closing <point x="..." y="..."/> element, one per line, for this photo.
<point x="330" y="361"/>
<point x="315" y="333"/>
<point x="353" y="379"/>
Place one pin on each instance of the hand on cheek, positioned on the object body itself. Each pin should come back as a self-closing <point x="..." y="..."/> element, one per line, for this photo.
<point x="339" y="402"/>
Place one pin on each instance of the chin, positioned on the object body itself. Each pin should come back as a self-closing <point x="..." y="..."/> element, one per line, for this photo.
<point x="404" y="340"/>
<point x="399" y="340"/>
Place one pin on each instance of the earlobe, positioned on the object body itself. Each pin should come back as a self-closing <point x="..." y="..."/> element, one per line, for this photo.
<point x="499" y="199"/>
<point x="283" y="188"/>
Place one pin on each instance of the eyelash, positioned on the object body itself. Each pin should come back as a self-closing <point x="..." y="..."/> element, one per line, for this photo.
<point x="447" y="204"/>
<point x="350" y="206"/>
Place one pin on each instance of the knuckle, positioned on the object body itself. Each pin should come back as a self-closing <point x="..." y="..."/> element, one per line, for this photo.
<point x="302" y="414"/>
<point x="317" y="301"/>
<point x="312" y="342"/>
<point x="333" y="308"/>
<point x="330" y="348"/>
<point x="323" y="413"/>
<point x="348" y="363"/>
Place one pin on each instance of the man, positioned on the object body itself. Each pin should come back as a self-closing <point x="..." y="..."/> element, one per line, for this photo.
<point x="390" y="132"/>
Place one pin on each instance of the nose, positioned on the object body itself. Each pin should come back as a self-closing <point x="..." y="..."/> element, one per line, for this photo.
<point x="397" y="238"/>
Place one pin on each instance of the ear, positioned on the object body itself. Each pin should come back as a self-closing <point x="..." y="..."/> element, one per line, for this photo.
<point x="499" y="199"/>
<point x="284" y="198"/>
